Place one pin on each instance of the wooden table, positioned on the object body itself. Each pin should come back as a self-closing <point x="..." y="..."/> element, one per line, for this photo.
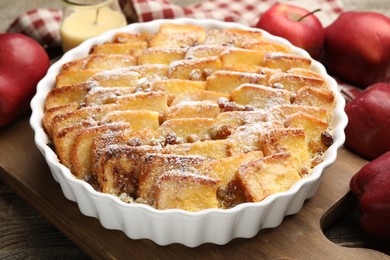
<point x="25" y="232"/>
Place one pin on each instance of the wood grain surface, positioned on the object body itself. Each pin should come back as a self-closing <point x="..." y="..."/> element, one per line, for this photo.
<point x="299" y="235"/>
<point x="25" y="232"/>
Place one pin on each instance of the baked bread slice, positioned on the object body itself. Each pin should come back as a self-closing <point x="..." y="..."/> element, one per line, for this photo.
<point x="265" y="176"/>
<point x="156" y="165"/>
<point x="187" y="191"/>
<point x="66" y="95"/>
<point x="233" y="38"/>
<point x="225" y="81"/>
<point x="259" y="96"/>
<point x="161" y="55"/>
<point x="119" y="167"/>
<point x="80" y="154"/>
<point x="205" y="109"/>
<point x="133" y="48"/>
<point x="285" y="61"/>
<point x="177" y="36"/>
<point x="101" y="62"/>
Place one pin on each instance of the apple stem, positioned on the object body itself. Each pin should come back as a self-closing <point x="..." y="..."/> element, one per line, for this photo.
<point x="347" y="95"/>
<point x="306" y="15"/>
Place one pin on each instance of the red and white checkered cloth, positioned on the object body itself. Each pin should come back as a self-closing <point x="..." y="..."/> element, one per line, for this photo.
<point x="241" y="11"/>
<point x="43" y="24"/>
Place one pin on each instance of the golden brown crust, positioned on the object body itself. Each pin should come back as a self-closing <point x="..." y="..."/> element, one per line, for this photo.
<point x="190" y="118"/>
<point x="267" y="175"/>
<point x="157" y="165"/>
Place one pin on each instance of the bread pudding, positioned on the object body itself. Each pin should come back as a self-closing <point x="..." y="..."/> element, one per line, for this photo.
<point x="190" y="117"/>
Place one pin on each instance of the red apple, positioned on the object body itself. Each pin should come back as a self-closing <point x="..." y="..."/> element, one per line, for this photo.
<point x="371" y="185"/>
<point x="357" y="48"/>
<point x="23" y="62"/>
<point x="301" y="27"/>
<point x="367" y="132"/>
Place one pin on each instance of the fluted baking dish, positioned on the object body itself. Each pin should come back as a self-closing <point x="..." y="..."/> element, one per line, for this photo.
<point x="218" y="226"/>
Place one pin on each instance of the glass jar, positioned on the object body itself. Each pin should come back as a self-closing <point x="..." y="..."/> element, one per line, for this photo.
<point x="83" y="19"/>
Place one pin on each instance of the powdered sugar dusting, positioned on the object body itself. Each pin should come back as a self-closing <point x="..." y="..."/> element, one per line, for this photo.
<point x="182" y="146"/>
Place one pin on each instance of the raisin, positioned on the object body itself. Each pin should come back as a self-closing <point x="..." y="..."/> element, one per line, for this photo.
<point x="327" y="139"/>
<point x="223" y="132"/>
<point x="134" y="142"/>
<point x="192" y="138"/>
<point x="171" y="139"/>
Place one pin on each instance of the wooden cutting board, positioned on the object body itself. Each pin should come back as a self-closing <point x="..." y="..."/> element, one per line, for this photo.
<point x="23" y="168"/>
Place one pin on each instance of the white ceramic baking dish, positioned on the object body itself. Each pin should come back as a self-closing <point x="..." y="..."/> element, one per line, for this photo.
<point x="164" y="227"/>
